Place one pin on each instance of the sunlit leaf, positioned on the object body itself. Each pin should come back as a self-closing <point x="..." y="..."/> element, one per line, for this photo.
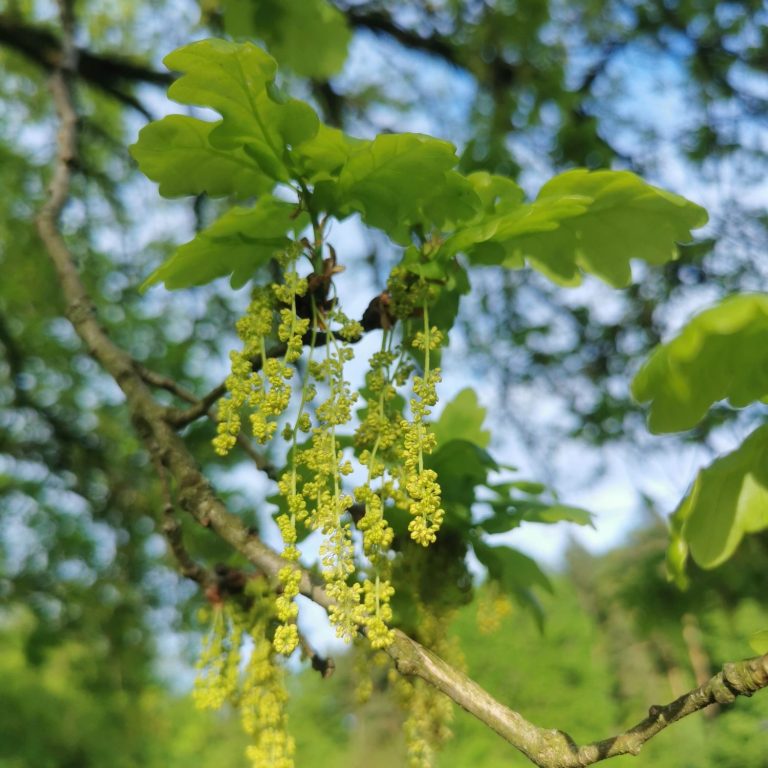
<point x="176" y="153"/>
<point x="721" y="353"/>
<point x="322" y="156"/>
<point x="391" y="179"/>
<point x="584" y="222"/>
<point x="237" y="244"/>
<point x="462" y="418"/>
<point x="494" y="238"/>
<point x="237" y="80"/>
<point x="498" y="194"/>
<point x="728" y="500"/>
<point x="451" y="203"/>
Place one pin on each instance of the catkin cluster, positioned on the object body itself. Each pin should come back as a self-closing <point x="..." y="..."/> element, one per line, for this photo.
<point x="392" y="443"/>
<point x="259" y="693"/>
<point x="257" y="381"/>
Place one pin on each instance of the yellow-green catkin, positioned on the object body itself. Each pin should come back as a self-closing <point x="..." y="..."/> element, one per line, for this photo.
<point x="328" y="504"/>
<point x="256" y="381"/>
<point x="258" y="693"/>
<point x="421" y="484"/>
<point x="377" y="438"/>
<point x="370" y="670"/>
<point x="245" y="386"/>
<point x="429" y="713"/>
<point x="291" y="332"/>
<point x="493" y="606"/>
<point x="217" y="668"/>
<point x="263" y="707"/>
<point x="427" y="725"/>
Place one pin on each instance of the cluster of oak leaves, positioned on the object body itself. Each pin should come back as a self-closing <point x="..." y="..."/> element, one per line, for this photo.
<point x="389" y="447"/>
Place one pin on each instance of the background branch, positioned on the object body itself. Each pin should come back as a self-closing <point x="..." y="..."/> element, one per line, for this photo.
<point x="110" y="73"/>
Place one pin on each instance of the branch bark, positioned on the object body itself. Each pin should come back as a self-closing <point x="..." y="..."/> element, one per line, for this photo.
<point x="548" y="748"/>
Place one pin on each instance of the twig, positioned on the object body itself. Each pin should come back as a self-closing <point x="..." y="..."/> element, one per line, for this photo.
<point x="182" y="417"/>
<point x="105" y="71"/>
<point x="551" y="748"/>
<point x="160" y="381"/>
<point x="258" y="458"/>
<point x="205" y="406"/>
<point x="171" y="528"/>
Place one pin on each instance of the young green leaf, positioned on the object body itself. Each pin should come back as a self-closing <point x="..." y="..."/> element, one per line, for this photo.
<point x="237" y="80"/>
<point x="494" y="237"/>
<point x="321" y="157"/>
<point x="728" y="500"/>
<point x="584" y="222"/>
<point x="237" y="244"/>
<point x="498" y="194"/>
<point x="721" y="353"/>
<point x="176" y="153"/>
<point x="462" y="418"/>
<point x="392" y="179"/>
<point x="627" y="219"/>
<point x="451" y="203"/>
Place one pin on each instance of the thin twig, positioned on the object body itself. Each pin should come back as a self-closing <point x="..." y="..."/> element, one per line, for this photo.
<point x="259" y="459"/>
<point x="161" y="381"/>
<point x="188" y="567"/>
<point x="182" y="417"/>
<point x="111" y="73"/>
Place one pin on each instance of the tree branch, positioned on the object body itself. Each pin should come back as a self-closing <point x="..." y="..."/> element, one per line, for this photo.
<point x="381" y="23"/>
<point x="495" y="74"/>
<point x="110" y="73"/>
<point x="171" y="527"/>
<point x="204" y="406"/>
<point x="160" y="381"/>
<point x="545" y="747"/>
